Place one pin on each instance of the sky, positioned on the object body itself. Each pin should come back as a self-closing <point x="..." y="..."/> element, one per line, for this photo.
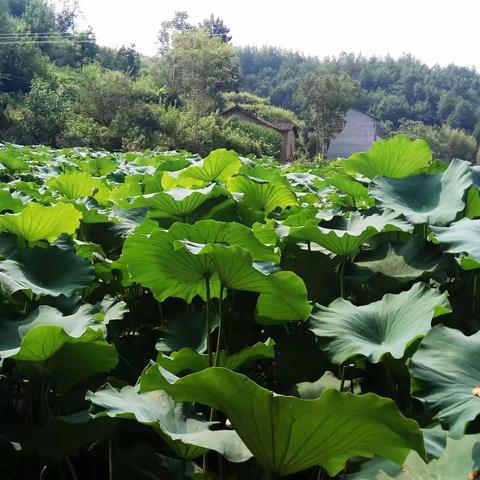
<point x="435" y="31"/>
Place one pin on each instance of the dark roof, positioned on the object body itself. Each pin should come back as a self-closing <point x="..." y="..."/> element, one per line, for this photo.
<point x="286" y="126"/>
<point x="279" y="126"/>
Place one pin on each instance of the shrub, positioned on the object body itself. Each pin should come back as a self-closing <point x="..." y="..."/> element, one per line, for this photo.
<point x="46" y="111"/>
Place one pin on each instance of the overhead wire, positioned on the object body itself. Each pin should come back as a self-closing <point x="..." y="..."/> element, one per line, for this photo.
<point x="41" y="37"/>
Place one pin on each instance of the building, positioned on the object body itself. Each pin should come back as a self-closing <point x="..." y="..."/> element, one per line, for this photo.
<point x="288" y="130"/>
<point x="360" y="131"/>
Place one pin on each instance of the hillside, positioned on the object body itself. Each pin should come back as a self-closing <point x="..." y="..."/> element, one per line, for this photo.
<point x="392" y="89"/>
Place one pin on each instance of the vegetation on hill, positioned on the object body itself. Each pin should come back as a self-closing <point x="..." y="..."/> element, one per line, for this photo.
<point x="58" y="87"/>
<point x="393" y="90"/>
<point x="67" y="91"/>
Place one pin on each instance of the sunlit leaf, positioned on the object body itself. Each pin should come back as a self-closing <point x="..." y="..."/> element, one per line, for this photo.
<point x="397" y="157"/>
<point x="37" y="222"/>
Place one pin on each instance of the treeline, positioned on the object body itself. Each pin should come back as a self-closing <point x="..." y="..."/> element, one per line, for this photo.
<point x="391" y="89"/>
<point x="59" y="87"/>
<point x="405" y="94"/>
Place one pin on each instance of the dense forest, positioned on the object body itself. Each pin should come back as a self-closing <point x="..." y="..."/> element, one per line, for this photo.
<point x="59" y="87"/>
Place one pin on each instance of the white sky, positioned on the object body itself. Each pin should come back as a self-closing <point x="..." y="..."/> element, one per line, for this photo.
<point x="435" y="31"/>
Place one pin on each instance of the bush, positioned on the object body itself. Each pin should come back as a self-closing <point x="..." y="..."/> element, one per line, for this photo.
<point x="136" y="127"/>
<point x="248" y="137"/>
<point x="46" y="112"/>
<point x="180" y="129"/>
<point x="84" y="132"/>
<point x="446" y="142"/>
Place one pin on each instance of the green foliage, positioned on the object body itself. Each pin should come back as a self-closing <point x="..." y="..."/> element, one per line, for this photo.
<point x="196" y="67"/>
<point x="261" y="107"/>
<point x="325" y="99"/>
<point x="391" y="89"/>
<point x="158" y="307"/>
<point x="46" y="111"/>
<point x="446" y="142"/>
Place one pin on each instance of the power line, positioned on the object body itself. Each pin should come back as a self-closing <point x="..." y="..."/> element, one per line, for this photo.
<point x="16" y="42"/>
<point x="22" y="34"/>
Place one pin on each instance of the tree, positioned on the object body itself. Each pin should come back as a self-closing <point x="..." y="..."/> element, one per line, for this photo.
<point x="103" y="93"/>
<point x="325" y="99"/>
<point x="128" y="61"/>
<point x="446" y="142"/>
<point x="216" y="27"/>
<point x="417" y="130"/>
<point x="446" y="105"/>
<point x="66" y="18"/>
<point x="392" y="107"/>
<point x="460" y="144"/>
<point x="197" y="68"/>
<point x="179" y="23"/>
<point x="464" y="116"/>
<point x="46" y="112"/>
<point x="39" y="16"/>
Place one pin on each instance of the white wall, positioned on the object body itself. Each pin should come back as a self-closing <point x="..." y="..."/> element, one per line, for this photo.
<point x="359" y="133"/>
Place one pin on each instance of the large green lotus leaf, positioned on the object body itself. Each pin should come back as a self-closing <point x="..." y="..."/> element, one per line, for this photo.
<point x="26" y="191"/>
<point x="12" y="159"/>
<point x="70" y="359"/>
<point x="185" y="330"/>
<point x="260" y="172"/>
<point x="63" y="436"/>
<point x="187" y="433"/>
<point x="261" y="195"/>
<point x="397" y="157"/>
<point x="445" y="376"/>
<point x="37" y="222"/>
<point x="402" y="261"/>
<point x="74" y="185"/>
<point x="99" y="165"/>
<point x="283" y="295"/>
<point x="225" y="233"/>
<point x="209" y="231"/>
<point x="188" y="360"/>
<point x="462" y="237"/>
<point x="303" y="180"/>
<point x="349" y="185"/>
<point x="9" y="203"/>
<point x="472" y="209"/>
<point x="432" y="199"/>
<point x="288" y="434"/>
<point x="126" y="221"/>
<point x="92" y="211"/>
<point x="46" y="271"/>
<point x="373" y="330"/>
<point x="179" y="202"/>
<point x="313" y="390"/>
<point x="166" y="161"/>
<point x="460" y="460"/>
<point x="344" y="236"/>
<point x="219" y="166"/>
<point x="180" y="268"/>
<point x="131" y="187"/>
<point x="39" y="336"/>
<point x="81" y="358"/>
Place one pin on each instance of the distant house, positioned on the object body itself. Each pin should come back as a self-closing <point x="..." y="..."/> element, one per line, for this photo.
<point x="360" y="131"/>
<point x="288" y="130"/>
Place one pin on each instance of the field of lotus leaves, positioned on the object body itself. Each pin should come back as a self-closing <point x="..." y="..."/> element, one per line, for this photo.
<point x="164" y="316"/>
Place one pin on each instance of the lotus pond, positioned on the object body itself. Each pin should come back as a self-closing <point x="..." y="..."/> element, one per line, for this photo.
<point x="164" y="316"/>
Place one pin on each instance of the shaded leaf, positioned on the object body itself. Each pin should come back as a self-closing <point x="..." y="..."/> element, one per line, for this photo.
<point x="288" y="434"/>
<point x="386" y="326"/>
